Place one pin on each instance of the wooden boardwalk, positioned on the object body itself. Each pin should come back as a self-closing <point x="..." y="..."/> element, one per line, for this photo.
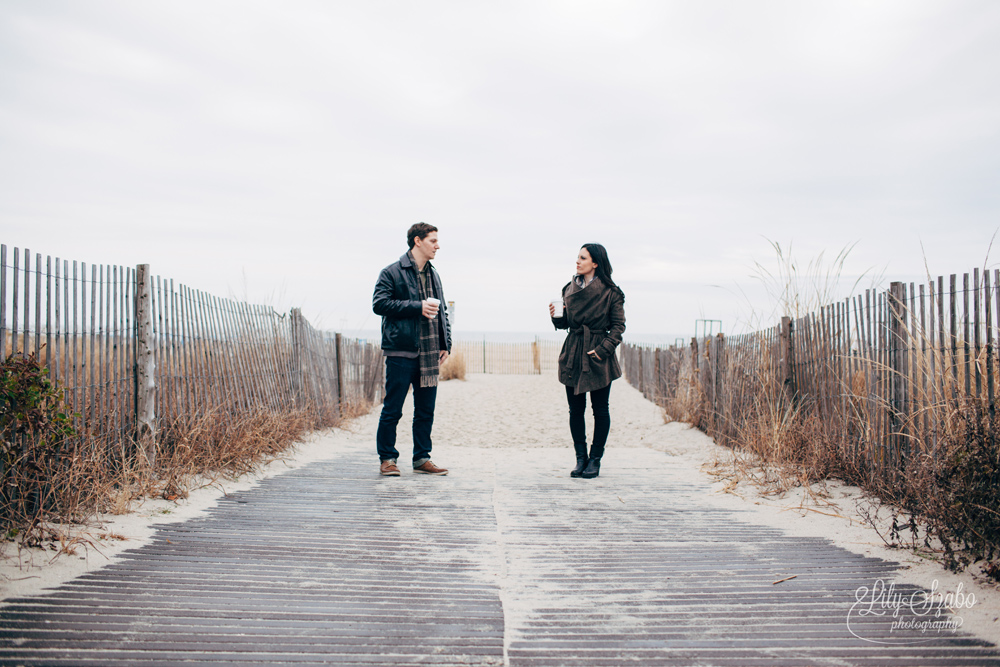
<point x="505" y="561"/>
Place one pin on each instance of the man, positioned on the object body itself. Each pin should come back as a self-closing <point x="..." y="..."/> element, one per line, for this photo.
<point x="416" y="340"/>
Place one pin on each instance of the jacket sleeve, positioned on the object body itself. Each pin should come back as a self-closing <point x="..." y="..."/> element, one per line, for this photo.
<point x="443" y="314"/>
<point x="447" y="328"/>
<point x="383" y="304"/>
<point x="562" y="322"/>
<point x="616" y="327"/>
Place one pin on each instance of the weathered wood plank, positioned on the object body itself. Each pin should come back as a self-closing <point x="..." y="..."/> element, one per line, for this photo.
<point x="652" y="582"/>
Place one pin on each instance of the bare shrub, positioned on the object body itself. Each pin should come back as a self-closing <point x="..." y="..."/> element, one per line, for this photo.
<point x="453" y="368"/>
<point x="949" y="499"/>
<point x="37" y="450"/>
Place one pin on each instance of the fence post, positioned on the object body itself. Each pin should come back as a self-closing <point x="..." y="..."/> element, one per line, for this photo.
<point x="692" y="389"/>
<point x="340" y="373"/>
<point x="897" y="325"/>
<point x="719" y="377"/>
<point x="786" y="357"/>
<point x="295" y="320"/>
<point x="145" y="366"/>
<point x="657" y="395"/>
<point x="373" y="367"/>
<point x="3" y="303"/>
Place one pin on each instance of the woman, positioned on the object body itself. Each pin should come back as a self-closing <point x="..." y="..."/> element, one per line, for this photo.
<point x="594" y="313"/>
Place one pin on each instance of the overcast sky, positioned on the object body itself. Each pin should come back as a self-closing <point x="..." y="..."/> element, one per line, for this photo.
<point x="278" y="151"/>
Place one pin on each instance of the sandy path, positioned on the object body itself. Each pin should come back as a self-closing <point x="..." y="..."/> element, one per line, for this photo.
<point x="493" y="425"/>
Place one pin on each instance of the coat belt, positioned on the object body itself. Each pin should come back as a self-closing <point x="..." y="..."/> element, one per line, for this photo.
<point x="584" y="331"/>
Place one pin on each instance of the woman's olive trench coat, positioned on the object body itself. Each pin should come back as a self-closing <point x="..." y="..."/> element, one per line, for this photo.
<point x="595" y="317"/>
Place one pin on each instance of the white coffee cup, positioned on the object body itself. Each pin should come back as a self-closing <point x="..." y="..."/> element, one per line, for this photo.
<point x="559" y="306"/>
<point x="434" y="302"/>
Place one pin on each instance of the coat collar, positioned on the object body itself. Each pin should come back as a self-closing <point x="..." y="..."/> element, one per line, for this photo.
<point x="406" y="261"/>
<point x="594" y="285"/>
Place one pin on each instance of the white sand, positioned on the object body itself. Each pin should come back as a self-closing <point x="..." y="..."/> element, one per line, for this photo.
<point x="525" y="412"/>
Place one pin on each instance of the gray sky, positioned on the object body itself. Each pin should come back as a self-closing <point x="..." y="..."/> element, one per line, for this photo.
<point x="279" y="151"/>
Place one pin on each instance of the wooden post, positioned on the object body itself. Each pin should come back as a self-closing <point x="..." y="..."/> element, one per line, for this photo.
<point x="718" y="377"/>
<point x="56" y="365"/>
<point x="117" y="316"/>
<point x="296" y="331"/>
<point x="976" y="326"/>
<point x="657" y="393"/>
<point x="925" y="403"/>
<point x="953" y="315"/>
<point x="3" y="302"/>
<point x="966" y="358"/>
<point x="988" y="321"/>
<point x="786" y="356"/>
<point x="897" y="325"/>
<point x="48" y="308"/>
<point x="27" y="304"/>
<point x="145" y="370"/>
<point x="694" y="366"/>
<point x="13" y="295"/>
<point x="99" y="334"/>
<point x="340" y="373"/>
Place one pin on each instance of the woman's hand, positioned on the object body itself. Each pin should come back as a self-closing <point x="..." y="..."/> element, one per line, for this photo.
<point x="593" y="353"/>
<point x="552" y="310"/>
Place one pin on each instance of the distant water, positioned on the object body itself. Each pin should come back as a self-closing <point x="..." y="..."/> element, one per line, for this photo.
<point x="527" y="336"/>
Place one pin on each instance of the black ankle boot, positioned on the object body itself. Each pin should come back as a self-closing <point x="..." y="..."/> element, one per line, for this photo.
<point x="581" y="460"/>
<point x="593" y="468"/>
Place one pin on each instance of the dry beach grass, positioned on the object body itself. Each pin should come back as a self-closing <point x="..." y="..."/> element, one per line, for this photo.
<point x="498" y="420"/>
<point x="56" y="478"/>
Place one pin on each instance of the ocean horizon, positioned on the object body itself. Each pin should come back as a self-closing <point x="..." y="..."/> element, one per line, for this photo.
<point x="526" y="336"/>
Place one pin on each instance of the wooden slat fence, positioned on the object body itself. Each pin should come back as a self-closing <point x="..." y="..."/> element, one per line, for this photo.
<point x="527" y="358"/>
<point x="361" y="371"/>
<point x="208" y="354"/>
<point x="880" y="370"/>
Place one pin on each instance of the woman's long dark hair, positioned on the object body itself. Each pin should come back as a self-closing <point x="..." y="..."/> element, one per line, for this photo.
<point x="599" y="256"/>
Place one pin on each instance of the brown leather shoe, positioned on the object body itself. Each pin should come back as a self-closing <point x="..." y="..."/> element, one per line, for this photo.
<point x="388" y="468"/>
<point x="428" y="468"/>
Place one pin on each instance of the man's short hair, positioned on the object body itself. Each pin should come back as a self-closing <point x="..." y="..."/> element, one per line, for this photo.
<point x="419" y="230"/>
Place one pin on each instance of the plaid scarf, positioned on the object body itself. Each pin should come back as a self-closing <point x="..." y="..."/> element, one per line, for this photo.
<point x="430" y="344"/>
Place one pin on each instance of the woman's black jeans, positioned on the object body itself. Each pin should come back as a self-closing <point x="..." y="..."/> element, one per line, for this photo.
<point x="602" y="419"/>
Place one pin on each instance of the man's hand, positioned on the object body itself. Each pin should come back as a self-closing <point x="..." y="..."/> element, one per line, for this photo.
<point x="442" y="357"/>
<point x="429" y="310"/>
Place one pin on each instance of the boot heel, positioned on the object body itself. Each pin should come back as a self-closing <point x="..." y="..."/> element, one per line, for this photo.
<point x="581" y="459"/>
<point x="592" y="470"/>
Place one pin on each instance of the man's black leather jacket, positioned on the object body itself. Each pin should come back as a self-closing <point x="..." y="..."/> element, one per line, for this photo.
<point x="397" y="300"/>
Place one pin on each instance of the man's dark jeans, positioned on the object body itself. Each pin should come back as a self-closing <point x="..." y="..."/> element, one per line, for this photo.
<point x="400" y="374"/>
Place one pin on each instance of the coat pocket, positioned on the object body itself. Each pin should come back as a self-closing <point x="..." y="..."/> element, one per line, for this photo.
<point x="566" y="359"/>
